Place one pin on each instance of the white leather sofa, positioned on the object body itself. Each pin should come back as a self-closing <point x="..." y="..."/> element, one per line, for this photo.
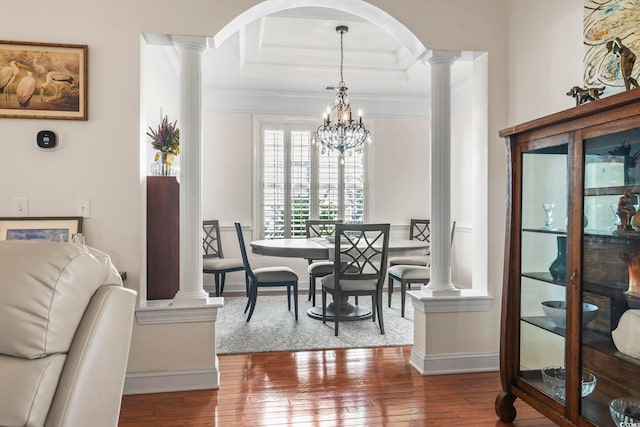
<point x="65" y="332"/>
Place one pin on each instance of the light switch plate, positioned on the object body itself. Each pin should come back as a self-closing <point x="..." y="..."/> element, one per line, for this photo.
<point x="20" y="206"/>
<point x="83" y="204"/>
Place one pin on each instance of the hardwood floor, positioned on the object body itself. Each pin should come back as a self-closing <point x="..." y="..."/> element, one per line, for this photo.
<point x="346" y="387"/>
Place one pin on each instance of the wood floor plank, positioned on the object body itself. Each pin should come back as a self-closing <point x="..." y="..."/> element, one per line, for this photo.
<point x="346" y="387"/>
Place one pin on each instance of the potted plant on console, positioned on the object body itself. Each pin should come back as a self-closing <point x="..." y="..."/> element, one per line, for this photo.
<point x="166" y="140"/>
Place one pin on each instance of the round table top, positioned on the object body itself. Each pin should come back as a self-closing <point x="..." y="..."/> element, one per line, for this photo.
<point x="318" y="247"/>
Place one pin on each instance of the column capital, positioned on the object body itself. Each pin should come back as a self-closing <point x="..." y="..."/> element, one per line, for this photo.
<point x="200" y="44"/>
<point x="442" y="57"/>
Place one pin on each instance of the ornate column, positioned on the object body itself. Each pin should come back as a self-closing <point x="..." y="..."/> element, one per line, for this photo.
<point x="191" y="288"/>
<point x="440" y="284"/>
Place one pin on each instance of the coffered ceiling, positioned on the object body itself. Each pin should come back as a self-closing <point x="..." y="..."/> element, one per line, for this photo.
<point x="298" y="51"/>
<point x="291" y="61"/>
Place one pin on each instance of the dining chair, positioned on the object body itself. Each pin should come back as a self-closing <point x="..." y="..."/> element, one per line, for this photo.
<point x="319" y="268"/>
<point x="407" y="274"/>
<point x="267" y="277"/>
<point x="419" y="229"/>
<point x="213" y="261"/>
<point x="360" y="263"/>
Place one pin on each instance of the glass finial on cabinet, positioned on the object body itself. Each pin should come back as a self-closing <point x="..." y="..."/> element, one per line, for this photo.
<point x="548" y="215"/>
<point x="615" y="220"/>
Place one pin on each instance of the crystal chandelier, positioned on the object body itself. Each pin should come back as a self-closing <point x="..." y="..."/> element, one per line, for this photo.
<point x="338" y="130"/>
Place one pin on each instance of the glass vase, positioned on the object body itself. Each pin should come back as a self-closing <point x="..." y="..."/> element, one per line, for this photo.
<point x="163" y="168"/>
<point x="558" y="267"/>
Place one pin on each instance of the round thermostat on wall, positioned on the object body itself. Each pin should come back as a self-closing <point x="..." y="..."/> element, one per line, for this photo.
<point x="47" y="140"/>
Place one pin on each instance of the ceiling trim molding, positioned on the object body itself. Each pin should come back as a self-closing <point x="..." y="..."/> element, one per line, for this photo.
<point x="312" y="103"/>
<point x="298" y="103"/>
<point x="356" y="7"/>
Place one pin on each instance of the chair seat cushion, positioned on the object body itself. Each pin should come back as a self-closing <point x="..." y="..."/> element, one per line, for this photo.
<point x="410" y="272"/>
<point x="275" y="274"/>
<point x="222" y="263"/>
<point x="321" y="267"/>
<point x="410" y="260"/>
<point x="328" y="282"/>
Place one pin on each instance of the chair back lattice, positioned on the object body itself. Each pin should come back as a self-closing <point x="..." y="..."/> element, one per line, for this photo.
<point x="211" y="239"/>
<point x="321" y="227"/>
<point x="420" y="230"/>
<point x="361" y="252"/>
<point x="243" y="251"/>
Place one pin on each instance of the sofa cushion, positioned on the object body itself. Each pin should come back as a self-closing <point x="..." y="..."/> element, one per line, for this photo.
<point x="45" y="288"/>
<point x="28" y="388"/>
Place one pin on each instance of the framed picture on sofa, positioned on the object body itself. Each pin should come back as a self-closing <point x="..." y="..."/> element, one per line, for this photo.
<point x="56" y="229"/>
<point x="43" y="80"/>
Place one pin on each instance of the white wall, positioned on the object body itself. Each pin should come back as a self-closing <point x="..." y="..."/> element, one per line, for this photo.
<point x="545" y="56"/>
<point x="400" y="181"/>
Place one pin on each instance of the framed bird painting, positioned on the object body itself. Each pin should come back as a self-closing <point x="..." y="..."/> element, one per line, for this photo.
<point x="43" y="80"/>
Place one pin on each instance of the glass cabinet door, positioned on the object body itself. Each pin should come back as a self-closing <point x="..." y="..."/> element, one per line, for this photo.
<point x="610" y="336"/>
<point x="543" y="268"/>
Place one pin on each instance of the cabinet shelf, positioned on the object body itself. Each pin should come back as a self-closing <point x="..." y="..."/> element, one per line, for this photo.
<point x="592" y="338"/>
<point x="613" y="289"/>
<point x="595" y="406"/>
<point x="611" y="191"/>
<point x="544" y="276"/>
<point x="631" y="235"/>
<point x="598" y="351"/>
<point x="558" y="231"/>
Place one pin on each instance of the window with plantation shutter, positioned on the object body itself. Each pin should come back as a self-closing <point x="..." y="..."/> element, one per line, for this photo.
<point x="274" y="186"/>
<point x="300" y="174"/>
<point x="354" y="188"/>
<point x="328" y="191"/>
<point x="299" y="183"/>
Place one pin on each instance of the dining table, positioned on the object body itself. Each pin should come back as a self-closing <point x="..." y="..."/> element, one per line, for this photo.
<point x="321" y="248"/>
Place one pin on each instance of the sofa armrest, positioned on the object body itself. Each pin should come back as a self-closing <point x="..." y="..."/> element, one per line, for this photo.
<point x="90" y="389"/>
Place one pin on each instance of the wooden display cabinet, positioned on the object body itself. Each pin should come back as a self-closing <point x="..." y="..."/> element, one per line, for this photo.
<point x="578" y="163"/>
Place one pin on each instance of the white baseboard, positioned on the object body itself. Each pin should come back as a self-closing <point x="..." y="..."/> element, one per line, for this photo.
<point x="164" y="381"/>
<point x="454" y="363"/>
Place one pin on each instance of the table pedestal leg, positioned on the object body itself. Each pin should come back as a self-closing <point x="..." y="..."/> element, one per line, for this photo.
<point x="348" y="311"/>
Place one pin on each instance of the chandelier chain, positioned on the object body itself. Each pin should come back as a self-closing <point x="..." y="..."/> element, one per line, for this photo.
<point x="341" y="55"/>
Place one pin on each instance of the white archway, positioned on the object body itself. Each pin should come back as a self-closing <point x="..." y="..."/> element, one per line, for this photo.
<point x="356" y="7"/>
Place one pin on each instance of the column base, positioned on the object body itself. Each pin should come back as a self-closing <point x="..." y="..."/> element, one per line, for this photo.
<point x="190" y="298"/>
<point x="450" y="291"/>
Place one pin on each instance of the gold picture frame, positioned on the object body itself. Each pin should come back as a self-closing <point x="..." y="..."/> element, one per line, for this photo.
<point x="57" y="229"/>
<point x="43" y="80"/>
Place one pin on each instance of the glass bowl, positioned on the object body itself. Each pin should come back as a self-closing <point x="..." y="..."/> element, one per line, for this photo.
<point x="625" y="411"/>
<point x="554" y="378"/>
<point x="557" y="311"/>
<point x="588" y="383"/>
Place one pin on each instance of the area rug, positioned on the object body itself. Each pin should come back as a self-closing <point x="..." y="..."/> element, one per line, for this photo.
<point x="273" y="328"/>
